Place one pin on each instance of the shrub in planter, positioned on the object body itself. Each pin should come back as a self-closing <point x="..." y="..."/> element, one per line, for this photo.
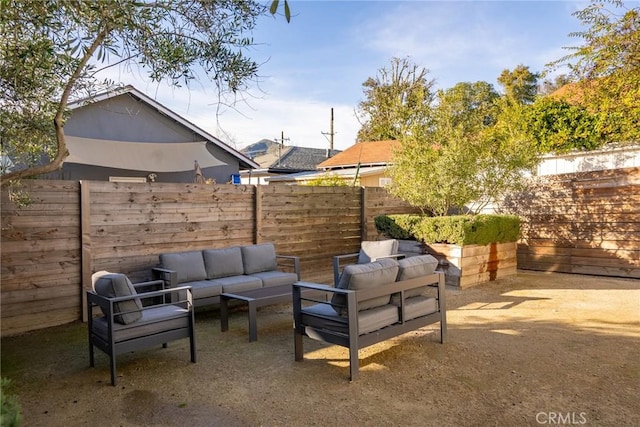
<point x="456" y="229"/>
<point x="470" y="249"/>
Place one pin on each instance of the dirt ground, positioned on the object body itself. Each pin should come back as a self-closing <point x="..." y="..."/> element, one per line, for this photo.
<point x="536" y="349"/>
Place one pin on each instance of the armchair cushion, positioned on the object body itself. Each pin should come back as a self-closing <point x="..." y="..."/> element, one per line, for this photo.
<point x="114" y="285"/>
<point x="223" y="262"/>
<point x="409" y="268"/>
<point x="259" y="258"/>
<point x="371" y="250"/>
<point x="152" y="320"/>
<point x="188" y="265"/>
<point x="366" y="276"/>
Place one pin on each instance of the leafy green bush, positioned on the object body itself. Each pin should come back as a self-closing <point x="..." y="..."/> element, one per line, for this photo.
<point x="10" y="415"/>
<point x="457" y="229"/>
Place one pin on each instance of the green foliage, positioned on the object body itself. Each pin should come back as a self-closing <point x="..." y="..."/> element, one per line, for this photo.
<point x="328" y="180"/>
<point x="520" y="84"/>
<point x="9" y="406"/>
<point x="606" y="67"/>
<point x="456" y="229"/>
<point x="557" y="126"/>
<point x="397" y="99"/>
<point x="51" y="51"/>
<point x="473" y="150"/>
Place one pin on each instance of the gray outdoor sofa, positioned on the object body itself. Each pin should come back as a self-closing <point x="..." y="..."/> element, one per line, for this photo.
<point x="371" y="303"/>
<point x="211" y="272"/>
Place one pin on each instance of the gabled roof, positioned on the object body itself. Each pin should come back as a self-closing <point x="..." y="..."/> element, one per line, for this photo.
<point x="374" y="153"/>
<point x="276" y="157"/>
<point x="244" y="161"/>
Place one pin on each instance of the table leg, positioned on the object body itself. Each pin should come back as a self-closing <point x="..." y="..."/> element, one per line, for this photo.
<point x="253" y="316"/>
<point x="224" y="314"/>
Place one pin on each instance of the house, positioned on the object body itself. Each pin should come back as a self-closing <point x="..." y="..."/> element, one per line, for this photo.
<point x="364" y="162"/>
<point x="276" y="159"/>
<point x="124" y="135"/>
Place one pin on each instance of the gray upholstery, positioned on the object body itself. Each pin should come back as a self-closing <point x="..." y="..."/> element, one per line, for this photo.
<point x="372" y="250"/>
<point x="237" y="283"/>
<point x="188" y="265"/>
<point x="409" y="268"/>
<point x="205" y="289"/>
<point x="419" y="306"/>
<point x="212" y="272"/>
<point x="366" y="276"/>
<point x="152" y="321"/>
<point x="324" y="316"/>
<point x="259" y="258"/>
<point x="223" y="262"/>
<point x="275" y="278"/>
<point x="113" y="285"/>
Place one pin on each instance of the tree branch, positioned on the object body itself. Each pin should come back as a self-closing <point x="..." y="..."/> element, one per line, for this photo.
<point x="58" y="120"/>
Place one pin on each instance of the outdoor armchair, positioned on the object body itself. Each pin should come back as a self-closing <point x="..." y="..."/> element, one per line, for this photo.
<point x="134" y="318"/>
<point x="369" y="251"/>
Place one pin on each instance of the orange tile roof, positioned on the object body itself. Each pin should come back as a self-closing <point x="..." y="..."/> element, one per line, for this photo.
<point x="365" y="153"/>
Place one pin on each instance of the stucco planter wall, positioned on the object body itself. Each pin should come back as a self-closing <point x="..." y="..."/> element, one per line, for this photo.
<point x="469" y="265"/>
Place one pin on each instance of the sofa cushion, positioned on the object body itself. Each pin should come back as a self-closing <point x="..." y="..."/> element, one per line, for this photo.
<point x="114" y="285"/>
<point x="412" y="267"/>
<point x="188" y="265"/>
<point x="419" y="306"/>
<point x="223" y="262"/>
<point x="233" y="284"/>
<point x="371" y="250"/>
<point x="259" y="258"/>
<point x="275" y="278"/>
<point x="366" y="276"/>
<point x="204" y="289"/>
<point x="324" y="316"/>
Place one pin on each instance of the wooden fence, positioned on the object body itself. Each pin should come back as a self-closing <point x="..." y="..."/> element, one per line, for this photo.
<point x="70" y="230"/>
<point x="583" y="223"/>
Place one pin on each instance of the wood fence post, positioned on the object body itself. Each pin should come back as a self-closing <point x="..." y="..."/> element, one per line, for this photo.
<point x="258" y="213"/>
<point x="363" y="214"/>
<point x="85" y="231"/>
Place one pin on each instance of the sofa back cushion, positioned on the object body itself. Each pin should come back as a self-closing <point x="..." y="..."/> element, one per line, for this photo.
<point x="371" y="250"/>
<point x="259" y="258"/>
<point x="366" y="276"/>
<point x="114" y="285"/>
<point x="412" y="267"/>
<point x="188" y="265"/>
<point x="224" y="262"/>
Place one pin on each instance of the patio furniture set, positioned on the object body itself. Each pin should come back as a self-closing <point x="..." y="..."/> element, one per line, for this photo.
<point x="381" y="296"/>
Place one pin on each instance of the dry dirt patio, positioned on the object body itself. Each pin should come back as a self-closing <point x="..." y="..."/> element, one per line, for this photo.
<point x="538" y="349"/>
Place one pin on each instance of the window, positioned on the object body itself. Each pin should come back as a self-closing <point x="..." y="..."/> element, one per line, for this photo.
<point x="127" y="179"/>
<point x="384" y="181"/>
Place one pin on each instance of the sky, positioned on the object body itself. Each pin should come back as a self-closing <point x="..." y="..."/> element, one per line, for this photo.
<point x="320" y="59"/>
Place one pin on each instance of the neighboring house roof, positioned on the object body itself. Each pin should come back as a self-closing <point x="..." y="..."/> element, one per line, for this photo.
<point x="244" y="161"/>
<point x="275" y="157"/>
<point x="374" y="153"/>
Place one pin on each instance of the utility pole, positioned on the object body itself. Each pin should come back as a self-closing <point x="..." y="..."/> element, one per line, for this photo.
<point x="280" y="145"/>
<point x="331" y="133"/>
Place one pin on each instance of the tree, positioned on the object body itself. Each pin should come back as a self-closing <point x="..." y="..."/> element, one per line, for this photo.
<point x="557" y="126"/>
<point x="51" y="51"/>
<point x="397" y="100"/>
<point x="548" y="86"/>
<point x="474" y="150"/>
<point x="520" y="84"/>
<point x="606" y="68"/>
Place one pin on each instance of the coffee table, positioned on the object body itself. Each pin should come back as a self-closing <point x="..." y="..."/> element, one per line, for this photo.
<point x="254" y="298"/>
